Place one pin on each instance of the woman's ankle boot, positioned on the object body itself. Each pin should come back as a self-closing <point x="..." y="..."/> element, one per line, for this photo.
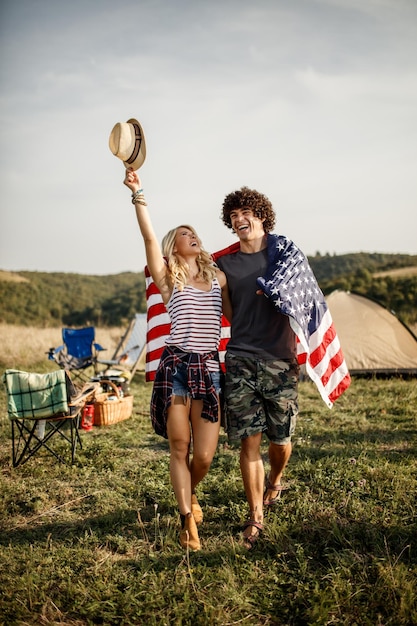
<point x="196" y="510"/>
<point x="189" y="533"/>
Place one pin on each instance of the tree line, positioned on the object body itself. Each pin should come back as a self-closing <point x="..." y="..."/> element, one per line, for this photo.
<point x="359" y="273"/>
<point x="48" y="299"/>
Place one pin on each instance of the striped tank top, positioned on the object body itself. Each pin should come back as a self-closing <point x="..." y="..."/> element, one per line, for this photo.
<point x="196" y="320"/>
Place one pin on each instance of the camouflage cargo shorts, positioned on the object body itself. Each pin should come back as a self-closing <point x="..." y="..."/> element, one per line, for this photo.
<point x="261" y="396"/>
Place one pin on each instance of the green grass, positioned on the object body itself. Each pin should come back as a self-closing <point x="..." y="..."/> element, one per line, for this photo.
<point x="97" y="543"/>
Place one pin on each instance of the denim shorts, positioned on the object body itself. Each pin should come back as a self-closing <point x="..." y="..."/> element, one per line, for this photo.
<point x="179" y="381"/>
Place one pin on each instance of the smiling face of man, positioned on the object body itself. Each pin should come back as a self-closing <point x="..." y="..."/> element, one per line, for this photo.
<point x="246" y="225"/>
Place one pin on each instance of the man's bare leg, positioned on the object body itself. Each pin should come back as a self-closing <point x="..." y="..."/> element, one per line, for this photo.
<point x="279" y="455"/>
<point x="253" y="473"/>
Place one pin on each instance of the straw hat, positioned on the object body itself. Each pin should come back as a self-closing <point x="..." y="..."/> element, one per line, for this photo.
<point x="127" y="142"/>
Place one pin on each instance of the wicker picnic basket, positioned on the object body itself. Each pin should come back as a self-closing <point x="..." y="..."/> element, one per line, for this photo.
<point x="110" y="407"/>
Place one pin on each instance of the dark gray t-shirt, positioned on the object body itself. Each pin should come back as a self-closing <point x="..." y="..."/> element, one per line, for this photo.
<point x="258" y="329"/>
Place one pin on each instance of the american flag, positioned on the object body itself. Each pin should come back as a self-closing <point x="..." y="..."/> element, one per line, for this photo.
<point x="293" y="288"/>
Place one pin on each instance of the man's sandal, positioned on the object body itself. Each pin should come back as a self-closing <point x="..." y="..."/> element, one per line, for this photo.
<point x="270" y="487"/>
<point x="249" y="542"/>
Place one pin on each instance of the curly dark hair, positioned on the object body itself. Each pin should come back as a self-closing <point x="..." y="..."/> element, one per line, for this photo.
<point x="246" y="198"/>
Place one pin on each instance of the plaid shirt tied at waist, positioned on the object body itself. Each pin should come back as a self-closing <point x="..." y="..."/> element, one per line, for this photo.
<point x="199" y="381"/>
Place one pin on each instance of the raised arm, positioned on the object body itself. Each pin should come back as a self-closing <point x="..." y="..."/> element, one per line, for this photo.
<point x="154" y="258"/>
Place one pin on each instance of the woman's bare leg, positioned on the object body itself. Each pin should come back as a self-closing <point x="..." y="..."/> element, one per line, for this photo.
<point x="179" y="437"/>
<point x="205" y="439"/>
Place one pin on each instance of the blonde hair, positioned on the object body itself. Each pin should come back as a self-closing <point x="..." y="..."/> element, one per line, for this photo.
<point x="178" y="269"/>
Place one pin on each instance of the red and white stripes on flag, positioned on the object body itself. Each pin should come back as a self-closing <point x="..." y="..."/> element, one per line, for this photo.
<point x="158" y="326"/>
<point x="323" y="359"/>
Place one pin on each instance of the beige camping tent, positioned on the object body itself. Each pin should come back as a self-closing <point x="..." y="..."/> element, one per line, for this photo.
<point x="373" y="340"/>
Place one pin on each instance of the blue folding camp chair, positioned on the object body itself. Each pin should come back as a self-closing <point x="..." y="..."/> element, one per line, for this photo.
<point x="78" y="351"/>
<point x="44" y="410"/>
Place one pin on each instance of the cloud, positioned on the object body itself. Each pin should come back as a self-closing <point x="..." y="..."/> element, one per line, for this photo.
<point x="312" y="102"/>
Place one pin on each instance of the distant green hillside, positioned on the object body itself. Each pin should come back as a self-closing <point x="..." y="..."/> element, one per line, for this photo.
<point x="328" y="267"/>
<point x="361" y="272"/>
<point x="57" y="299"/>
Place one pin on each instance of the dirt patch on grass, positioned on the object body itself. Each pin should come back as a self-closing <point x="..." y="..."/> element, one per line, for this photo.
<point x="398" y="273"/>
<point x="12" y="277"/>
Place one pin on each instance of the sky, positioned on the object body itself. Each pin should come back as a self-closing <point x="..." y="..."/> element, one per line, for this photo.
<point x="311" y="102"/>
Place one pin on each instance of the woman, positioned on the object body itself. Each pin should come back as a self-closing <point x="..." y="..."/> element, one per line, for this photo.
<point x="185" y="400"/>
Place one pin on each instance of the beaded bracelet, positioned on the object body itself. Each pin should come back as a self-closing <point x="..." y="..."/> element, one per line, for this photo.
<point x="139" y="192"/>
<point x="138" y="197"/>
<point x="139" y="201"/>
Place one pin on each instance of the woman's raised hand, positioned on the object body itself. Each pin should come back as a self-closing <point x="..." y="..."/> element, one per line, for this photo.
<point x="132" y="180"/>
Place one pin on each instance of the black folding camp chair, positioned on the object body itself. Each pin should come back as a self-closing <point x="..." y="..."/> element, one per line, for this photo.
<point x="45" y="410"/>
<point x="78" y="352"/>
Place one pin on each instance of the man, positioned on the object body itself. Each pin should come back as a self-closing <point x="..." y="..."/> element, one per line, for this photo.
<point x="262" y="369"/>
<point x="261" y="360"/>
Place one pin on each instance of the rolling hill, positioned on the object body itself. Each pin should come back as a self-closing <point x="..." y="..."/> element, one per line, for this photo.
<point x="45" y="299"/>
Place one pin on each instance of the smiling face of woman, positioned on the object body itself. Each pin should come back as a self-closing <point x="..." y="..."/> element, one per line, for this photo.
<point x="186" y="242"/>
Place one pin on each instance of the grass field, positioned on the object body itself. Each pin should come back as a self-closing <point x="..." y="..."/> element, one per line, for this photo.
<point x="97" y="543"/>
